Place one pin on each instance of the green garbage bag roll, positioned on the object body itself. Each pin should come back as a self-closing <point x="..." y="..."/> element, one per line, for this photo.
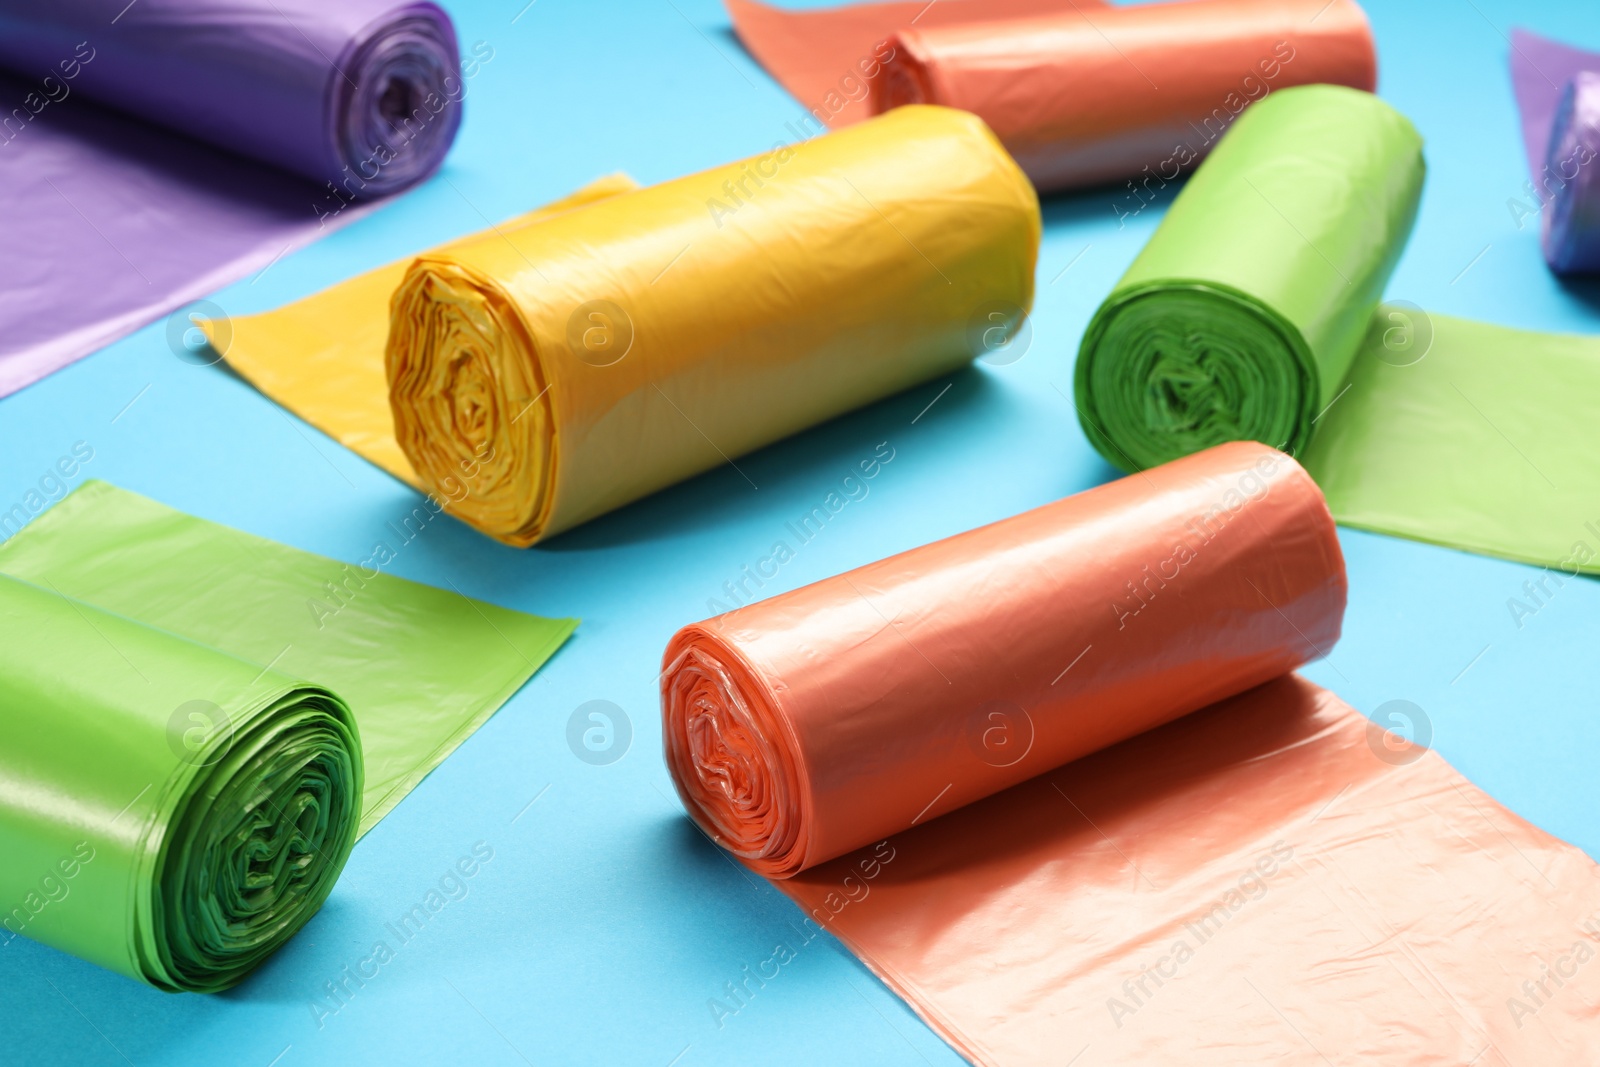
<point x="184" y="868"/>
<point x="1253" y="314"/>
<point x="1241" y="317"/>
<point x="197" y="724"/>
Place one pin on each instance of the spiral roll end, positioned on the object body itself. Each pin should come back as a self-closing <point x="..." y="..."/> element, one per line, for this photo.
<point x="1173" y="369"/>
<point x="731" y="756"/>
<point x="904" y="79"/>
<point x="255" y="845"/>
<point x="398" y="103"/>
<point x="471" y="405"/>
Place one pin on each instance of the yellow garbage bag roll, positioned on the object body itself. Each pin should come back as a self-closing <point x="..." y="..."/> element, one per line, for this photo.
<point x="322" y="357"/>
<point x="542" y="377"/>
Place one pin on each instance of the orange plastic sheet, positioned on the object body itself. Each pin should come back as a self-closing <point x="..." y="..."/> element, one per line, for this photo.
<point x="1052" y="781"/>
<point x="828" y="58"/>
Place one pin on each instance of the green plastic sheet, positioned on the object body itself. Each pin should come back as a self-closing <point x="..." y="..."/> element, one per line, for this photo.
<point x="1468" y="435"/>
<point x="197" y="724"/>
<point x="1253" y="313"/>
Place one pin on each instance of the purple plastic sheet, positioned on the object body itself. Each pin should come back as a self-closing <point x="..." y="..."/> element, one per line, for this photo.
<point x="153" y="152"/>
<point x="1558" y="93"/>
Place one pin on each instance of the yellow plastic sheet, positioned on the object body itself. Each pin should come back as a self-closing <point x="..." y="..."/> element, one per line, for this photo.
<point x="541" y="375"/>
<point x="322" y="357"/>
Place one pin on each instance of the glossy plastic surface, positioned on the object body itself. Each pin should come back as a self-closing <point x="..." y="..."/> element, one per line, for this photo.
<point x="172" y="737"/>
<point x="1241" y="316"/>
<point x="829" y="58"/>
<point x="605" y="921"/>
<point x="1251" y="313"/>
<point x="361" y="89"/>
<point x="155" y="151"/>
<point x="1558" y="93"/>
<point x="166" y="810"/>
<point x="804" y="726"/>
<point x="1082" y="96"/>
<point x="544" y="376"/>
<point x="1572" y="226"/>
<point x="1000" y="724"/>
<point x="1273" y="879"/>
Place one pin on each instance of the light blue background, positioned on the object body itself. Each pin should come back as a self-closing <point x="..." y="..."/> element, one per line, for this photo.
<point x="604" y="923"/>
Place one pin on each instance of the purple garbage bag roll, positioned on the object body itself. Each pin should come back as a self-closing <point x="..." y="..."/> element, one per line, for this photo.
<point x="153" y="152"/>
<point x="1572" y="223"/>
<point x="1558" y="92"/>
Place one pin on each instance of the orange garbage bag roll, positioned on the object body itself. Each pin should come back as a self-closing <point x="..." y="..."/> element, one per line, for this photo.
<point x="1053" y="781"/>
<point x="1087" y="95"/>
<point x="828" y="57"/>
<point x="808" y="725"/>
<point x="542" y="377"/>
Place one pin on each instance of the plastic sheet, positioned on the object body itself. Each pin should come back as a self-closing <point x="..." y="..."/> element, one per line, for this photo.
<point x="1081" y="96"/>
<point x="197" y="724"/>
<point x="1470" y="445"/>
<point x="247" y="126"/>
<point x="322" y="357"/>
<point x="1558" y="93"/>
<point x="1252" y="314"/>
<point x="542" y="377"/>
<point x="830" y="57"/>
<point x="1050" y="780"/>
